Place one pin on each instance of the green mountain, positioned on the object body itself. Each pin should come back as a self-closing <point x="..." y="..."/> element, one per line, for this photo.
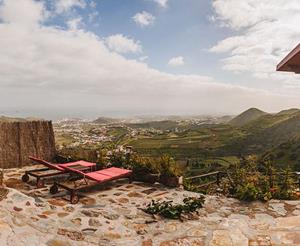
<point x="159" y="125"/>
<point x="268" y="131"/>
<point x="246" y="117"/>
<point x="286" y="154"/>
<point x="289" y="111"/>
<point x="105" y="120"/>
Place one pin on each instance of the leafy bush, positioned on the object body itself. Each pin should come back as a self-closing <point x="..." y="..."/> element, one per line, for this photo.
<point x="175" y="211"/>
<point x="252" y="180"/>
<point x="167" y="166"/>
<point x="144" y="165"/>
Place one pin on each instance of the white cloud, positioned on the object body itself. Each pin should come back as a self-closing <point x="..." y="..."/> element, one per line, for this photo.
<point x="121" y="44"/>
<point x="267" y="31"/>
<point x="93" y="4"/>
<point x="92" y="16"/>
<point x="162" y="3"/>
<point x="74" y="23"/>
<point x="72" y="72"/>
<point x="25" y="12"/>
<point x="144" y="19"/>
<point x="143" y="58"/>
<point x="176" y="61"/>
<point x="66" y="5"/>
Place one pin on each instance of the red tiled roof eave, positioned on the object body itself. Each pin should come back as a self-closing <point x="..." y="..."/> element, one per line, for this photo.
<point x="291" y="63"/>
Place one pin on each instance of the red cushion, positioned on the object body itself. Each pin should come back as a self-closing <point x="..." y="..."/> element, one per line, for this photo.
<point x="114" y="171"/>
<point x="82" y="163"/>
<point x="97" y="176"/>
<point x="108" y="174"/>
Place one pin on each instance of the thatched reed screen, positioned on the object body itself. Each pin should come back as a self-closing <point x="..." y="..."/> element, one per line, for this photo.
<point x="18" y="140"/>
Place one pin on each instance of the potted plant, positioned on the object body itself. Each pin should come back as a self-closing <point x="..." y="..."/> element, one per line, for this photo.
<point x="144" y="169"/>
<point x="168" y="172"/>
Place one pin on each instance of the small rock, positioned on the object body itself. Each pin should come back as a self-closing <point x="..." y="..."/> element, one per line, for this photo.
<point x="278" y="208"/>
<point x="293" y="203"/>
<point x="118" y="194"/>
<point x="170" y="227"/>
<point x="89" y="231"/>
<point x="94" y="222"/>
<point x="134" y="194"/>
<point x="17" y="209"/>
<point x="296" y="212"/>
<point x="90" y="213"/>
<point x="55" y="242"/>
<point x="140" y="229"/>
<point x="123" y="200"/>
<point x="184" y="242"/>
<point x="76" y="221"/>
<point x="41" y="205"/>
<point x="111" y="235"/>
<point x="48" y="212"/>
<point x="112" y="200"/>
<point x="73" y="235"/>
<point x="149" y="191"/>
<point x="147" y="243"/>
<point x="69" y="209"/>
<point x="18" y="221"/>
<point x="221" y="238"/>
<point x="62" y="214"/>
<point x="94" y="205"/>
<point x="129" y="216"/>
<point x="34" y="219"/>
<point x="42" y="216"/>
<point x="57" y="202"/>
<point x="110" y="216"/>
<point x="38" y="200"/>
<point x="88" y="201"/>
<point x="194" y="232"/>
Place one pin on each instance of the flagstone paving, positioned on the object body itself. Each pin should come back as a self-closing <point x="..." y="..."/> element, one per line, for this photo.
<point x="112" y="215"/>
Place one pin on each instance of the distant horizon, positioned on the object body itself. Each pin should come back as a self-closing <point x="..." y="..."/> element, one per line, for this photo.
<point x="125" y="116"/>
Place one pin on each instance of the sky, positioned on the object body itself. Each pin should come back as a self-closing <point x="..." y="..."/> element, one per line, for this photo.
<point x="118" y="58"/>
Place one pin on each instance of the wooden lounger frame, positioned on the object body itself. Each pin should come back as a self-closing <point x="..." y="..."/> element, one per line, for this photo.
<point x="88" y="183"/>
<point x="42" y="173"/>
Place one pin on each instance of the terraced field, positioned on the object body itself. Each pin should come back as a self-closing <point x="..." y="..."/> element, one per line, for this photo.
<point x="189" y="143"/>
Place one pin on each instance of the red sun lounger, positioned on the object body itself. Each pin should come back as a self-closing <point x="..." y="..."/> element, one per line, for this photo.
<point x="89" y="179"/>
<point x="51" y="170"/>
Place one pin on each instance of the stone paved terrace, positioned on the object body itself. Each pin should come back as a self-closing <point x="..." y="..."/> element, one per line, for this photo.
<point x="111" y="216"/>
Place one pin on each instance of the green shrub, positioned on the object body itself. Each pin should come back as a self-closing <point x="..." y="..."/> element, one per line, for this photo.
<point x="175" y="211"/>
<point x="252" y="180"/>
<point x="167" y="166"/>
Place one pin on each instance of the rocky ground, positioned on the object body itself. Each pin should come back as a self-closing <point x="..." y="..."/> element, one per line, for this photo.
<point x="111" y="215"/>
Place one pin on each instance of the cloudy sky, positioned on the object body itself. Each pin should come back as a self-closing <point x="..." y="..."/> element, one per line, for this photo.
<point x="86" y="58"/>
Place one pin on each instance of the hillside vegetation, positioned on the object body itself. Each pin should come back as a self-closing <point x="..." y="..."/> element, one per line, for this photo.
<point x="246" y="117"/>
<point x="269" y="131"/>
<point x="252" y="132"/>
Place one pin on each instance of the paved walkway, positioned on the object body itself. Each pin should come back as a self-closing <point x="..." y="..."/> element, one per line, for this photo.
<point x="111" y="216"/>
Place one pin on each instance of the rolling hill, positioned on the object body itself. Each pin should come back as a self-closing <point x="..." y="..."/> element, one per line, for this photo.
<point x="105" y="120"/>
<point x="268" y="131"/>
<point x="246" y="117"/>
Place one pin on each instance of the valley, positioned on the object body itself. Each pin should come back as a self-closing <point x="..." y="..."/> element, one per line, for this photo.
<point x="253" y="132"/>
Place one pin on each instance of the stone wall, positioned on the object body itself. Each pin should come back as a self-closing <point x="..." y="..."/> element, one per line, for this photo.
<point x="18" y="140"/>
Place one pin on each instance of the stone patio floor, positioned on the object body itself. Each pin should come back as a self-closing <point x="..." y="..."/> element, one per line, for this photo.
<point x="111" y="215"/>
